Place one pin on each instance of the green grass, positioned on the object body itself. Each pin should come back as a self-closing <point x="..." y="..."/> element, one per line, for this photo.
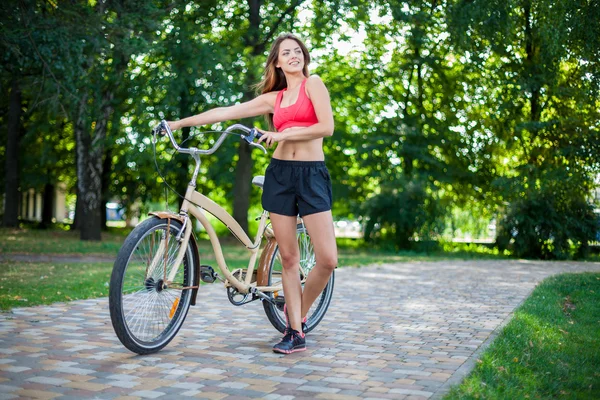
<point x="30" y="284"/>
<point x="58" y="242"/>
<point x="549" y="350"/>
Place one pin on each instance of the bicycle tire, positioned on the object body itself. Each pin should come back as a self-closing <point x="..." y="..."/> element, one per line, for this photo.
<point x="307" y="262"/>
<point x="145" y="314"/>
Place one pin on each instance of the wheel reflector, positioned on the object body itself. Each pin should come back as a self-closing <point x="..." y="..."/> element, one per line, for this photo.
<point x="174" y="307"/>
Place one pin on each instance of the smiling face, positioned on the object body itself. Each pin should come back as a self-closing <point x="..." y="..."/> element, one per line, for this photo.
<point x="290" y="57"/>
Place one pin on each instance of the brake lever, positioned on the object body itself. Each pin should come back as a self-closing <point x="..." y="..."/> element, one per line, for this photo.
<point x="259" y="146"/>
<point x="254" y="133"/>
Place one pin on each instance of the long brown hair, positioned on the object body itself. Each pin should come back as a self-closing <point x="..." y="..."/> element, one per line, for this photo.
<point x="273" y="77"/>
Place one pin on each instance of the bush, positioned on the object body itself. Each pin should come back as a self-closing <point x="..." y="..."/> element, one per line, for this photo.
<point x="399" y="214"/>
<point x="548" y="226"/>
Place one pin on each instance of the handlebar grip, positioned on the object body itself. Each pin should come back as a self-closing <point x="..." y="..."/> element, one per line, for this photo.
<point x="160" y="129"/>
<point x="165" y="128"/>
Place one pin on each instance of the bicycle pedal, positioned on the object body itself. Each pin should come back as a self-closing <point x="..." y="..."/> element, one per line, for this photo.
<point x="207" y="274"/>
<point x="280" y="302"/>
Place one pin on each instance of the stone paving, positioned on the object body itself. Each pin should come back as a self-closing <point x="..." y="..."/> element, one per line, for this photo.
<point x="402" y="331"/>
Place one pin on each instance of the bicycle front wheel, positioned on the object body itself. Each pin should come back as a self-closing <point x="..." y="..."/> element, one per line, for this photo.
<point x="307" y="262"/>
<point x="146" y="309"/>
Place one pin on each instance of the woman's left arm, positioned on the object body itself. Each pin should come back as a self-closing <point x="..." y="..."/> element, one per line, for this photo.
<point x="319" y="96"/>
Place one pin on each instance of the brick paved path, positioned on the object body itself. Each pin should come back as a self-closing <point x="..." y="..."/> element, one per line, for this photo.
<point x="401" y="331"/>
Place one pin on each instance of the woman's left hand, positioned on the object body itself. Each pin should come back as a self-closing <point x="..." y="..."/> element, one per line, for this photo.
<point x="269" y="137"/>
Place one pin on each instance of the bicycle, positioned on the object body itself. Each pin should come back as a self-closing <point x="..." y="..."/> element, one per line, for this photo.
<point x="156" y="276"/>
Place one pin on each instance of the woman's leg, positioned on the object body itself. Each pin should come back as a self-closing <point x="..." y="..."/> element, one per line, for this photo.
<point x="284" y="228"/>
<point x="322" y="235"/>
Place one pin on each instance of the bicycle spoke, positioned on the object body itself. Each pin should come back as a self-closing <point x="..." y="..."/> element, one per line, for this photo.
<point x="137" y="318"/>
<point x="142" y="317"/>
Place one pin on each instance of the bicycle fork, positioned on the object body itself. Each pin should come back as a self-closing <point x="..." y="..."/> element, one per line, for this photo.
<point x="162" y="254"/>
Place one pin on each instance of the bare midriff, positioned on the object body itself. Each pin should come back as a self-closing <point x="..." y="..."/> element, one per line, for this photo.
<point x="301" y="150"/>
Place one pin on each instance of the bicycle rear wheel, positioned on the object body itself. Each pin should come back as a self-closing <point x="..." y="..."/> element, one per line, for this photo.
<point x="307" y="262"/>
<point x="147" y="311"/>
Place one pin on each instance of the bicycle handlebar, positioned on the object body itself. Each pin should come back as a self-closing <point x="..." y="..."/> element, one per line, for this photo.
<point x="163" y="126"/>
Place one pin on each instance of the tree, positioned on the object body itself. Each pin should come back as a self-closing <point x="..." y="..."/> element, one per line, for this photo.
<point x="28" y="32"/>
<point x="399" y="112"/>
<point x="534" y="69"/>
<point x="93" y="77"/>
<point x="16" y="69"/>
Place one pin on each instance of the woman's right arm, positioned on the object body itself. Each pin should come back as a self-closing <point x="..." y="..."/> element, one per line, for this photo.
<point x="261" y="105"/>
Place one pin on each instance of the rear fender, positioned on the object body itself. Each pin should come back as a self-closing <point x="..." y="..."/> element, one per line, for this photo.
<point x="262" y="274"/>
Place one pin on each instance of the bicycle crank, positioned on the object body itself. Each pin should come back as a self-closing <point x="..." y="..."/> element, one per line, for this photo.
<point x="238" y="299"/>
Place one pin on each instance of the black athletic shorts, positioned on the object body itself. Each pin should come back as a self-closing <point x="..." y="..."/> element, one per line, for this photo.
<point x="296" y="187"/>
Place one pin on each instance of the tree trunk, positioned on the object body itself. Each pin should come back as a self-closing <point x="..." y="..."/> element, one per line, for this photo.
<point x="243" y="185"/>
<point x="47" y="206"/>
<point x="90" y="151"/>
<point x="91" y="145"/>
<point x="244" y="167"/>
<point x="11" y="205"/>
<point x="76" y="225"/>
<point x="78" y="212"/>
<point x="120" y="65"/>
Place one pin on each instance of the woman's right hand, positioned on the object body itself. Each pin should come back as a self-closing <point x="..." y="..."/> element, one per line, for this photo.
<point x="173" y="125"/>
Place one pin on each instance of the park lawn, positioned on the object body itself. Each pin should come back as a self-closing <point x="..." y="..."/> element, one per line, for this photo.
<point x="549" y="350"/>
<point x="30" y="284"/>
<point x="54" y="241"/>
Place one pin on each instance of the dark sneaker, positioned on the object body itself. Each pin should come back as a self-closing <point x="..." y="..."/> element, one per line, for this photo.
<point x="292" y="342"/>
<point x="287" y="322"/>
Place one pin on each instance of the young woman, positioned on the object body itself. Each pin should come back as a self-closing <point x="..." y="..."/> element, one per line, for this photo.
<point x="296" y="181"/>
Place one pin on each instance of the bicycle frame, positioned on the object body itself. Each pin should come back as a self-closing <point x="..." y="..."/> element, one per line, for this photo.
<point x="195" y="203"/>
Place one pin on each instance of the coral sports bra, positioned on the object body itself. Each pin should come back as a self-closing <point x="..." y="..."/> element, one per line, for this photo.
<point x="301" y="113"/>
